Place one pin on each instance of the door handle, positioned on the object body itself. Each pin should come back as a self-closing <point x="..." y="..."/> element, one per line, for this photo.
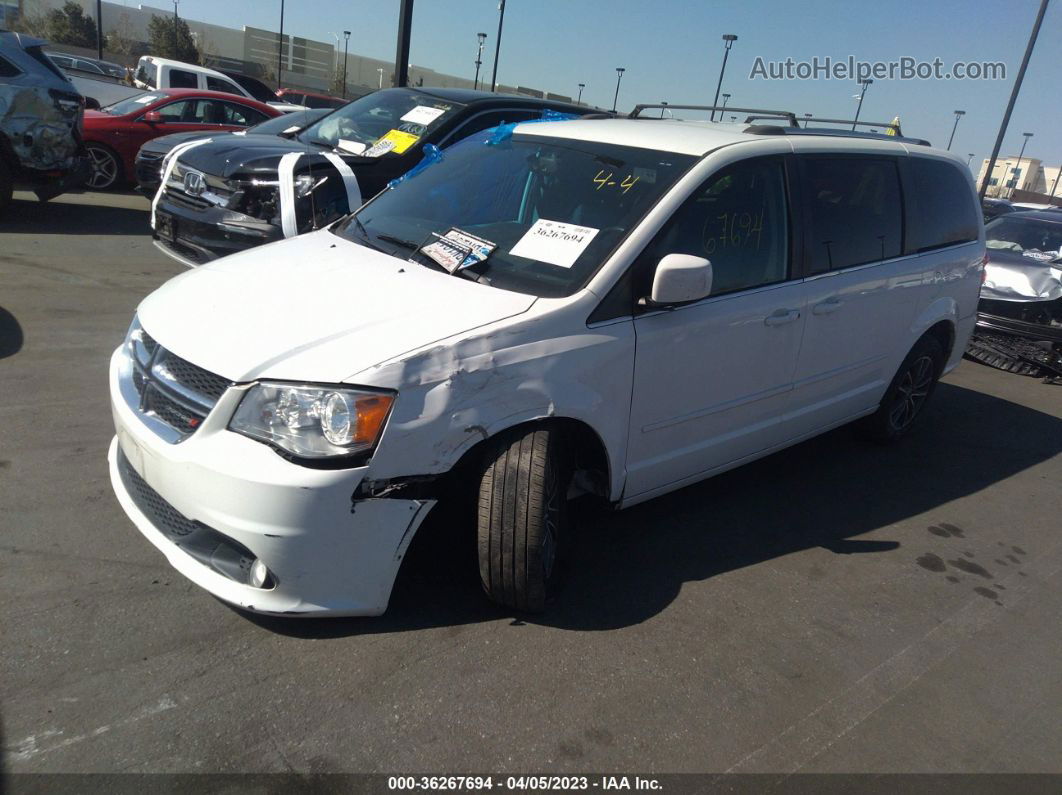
<point x="827" y="306"/>
<point x="780" y="317"/>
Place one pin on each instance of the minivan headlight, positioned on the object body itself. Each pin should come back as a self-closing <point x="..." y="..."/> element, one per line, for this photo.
<point x="312" y="421"/>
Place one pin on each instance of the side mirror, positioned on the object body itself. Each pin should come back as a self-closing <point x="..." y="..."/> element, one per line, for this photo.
<point x="152" y="117"/>
<point x="681" y="278"/>
<point x="91" y="103"/>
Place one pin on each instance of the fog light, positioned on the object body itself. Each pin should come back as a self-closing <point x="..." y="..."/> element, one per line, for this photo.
<point x="259" y="574"/>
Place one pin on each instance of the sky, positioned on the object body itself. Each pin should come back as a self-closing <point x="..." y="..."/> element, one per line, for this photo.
<point x="672" y="50"/>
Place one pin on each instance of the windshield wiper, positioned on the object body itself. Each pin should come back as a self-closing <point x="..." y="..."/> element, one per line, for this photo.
<point x="398" y="241"/>
<point x="366" y="239"/>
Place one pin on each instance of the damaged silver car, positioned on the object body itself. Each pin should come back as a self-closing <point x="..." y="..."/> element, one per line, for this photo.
<point x="41" y="118"/>
<point x="1019" y="318"/>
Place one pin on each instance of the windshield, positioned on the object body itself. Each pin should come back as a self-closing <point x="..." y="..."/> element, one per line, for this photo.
<point x="540" y="214"/>
<point x="389" y="121"/>
<point x="132" y="104"/>
<point x="1036" y="239"/>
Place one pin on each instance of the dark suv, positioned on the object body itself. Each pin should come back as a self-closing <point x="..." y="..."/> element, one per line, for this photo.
<point x="226" y="195"/>
<point x="41" y="117"/>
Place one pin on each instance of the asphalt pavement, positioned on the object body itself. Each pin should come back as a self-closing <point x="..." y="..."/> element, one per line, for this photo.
<point x="836" y="607"/>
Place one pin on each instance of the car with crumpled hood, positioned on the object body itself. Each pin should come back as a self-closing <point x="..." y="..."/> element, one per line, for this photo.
<point x="226" y="195"/>
<point x="41" y="118"/>
<point x="1019" y="316"/>
<point x="148" y="163"/>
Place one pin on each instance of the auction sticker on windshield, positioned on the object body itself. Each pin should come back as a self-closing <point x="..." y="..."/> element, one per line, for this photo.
<point x="554" y="242"/>
<point x="423" y="114"/>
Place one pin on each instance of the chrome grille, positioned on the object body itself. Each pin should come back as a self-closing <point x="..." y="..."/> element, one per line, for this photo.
<point x="181" y="198"/>
<point x="172" y="390"/>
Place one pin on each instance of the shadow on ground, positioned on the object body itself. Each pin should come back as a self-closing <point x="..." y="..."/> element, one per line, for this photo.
<point x="10" y="334"/>
<point x="66" y="218"/>
<point x="628" y="566"/>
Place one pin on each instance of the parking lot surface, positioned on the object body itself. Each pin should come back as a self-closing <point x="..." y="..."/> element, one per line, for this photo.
<point x="836" y="607"/>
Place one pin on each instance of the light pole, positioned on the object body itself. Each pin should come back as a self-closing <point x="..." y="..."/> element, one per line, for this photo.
<point x="807" y="117"/>
<point x="379" y="72"/>
<point x="1018" y="168"/>
<point x="479" y="58"/>
<point x="280" y="48"/>
<point x="619" y="76"/>
<point x="175" y="29"/>
<point x="1013" y="95"/>
<point x="866" y="84"/>
<point x="958" y="115"/>
<point x="664" y="103"/>
<point x="725" y="98"/>
<point x="497" y="46"/>
<point x="581" y="87"/>
<point x="99" y="29"/>
<point x="969" y="158"/>
<point x="346" y="49"/>
<point x="1055" y="186"/>
<point x="728" y="39"/>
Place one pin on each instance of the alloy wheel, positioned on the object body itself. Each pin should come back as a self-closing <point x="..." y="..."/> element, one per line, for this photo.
<point x="104" y="167"/>
<point x="911" y="393"/>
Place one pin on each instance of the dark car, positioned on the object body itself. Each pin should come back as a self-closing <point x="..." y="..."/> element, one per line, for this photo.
<point x="149" y="159"/>
<point x="226" y="195"/>
<point x="1019" y="315"/>
<point x="309" y="99"/>
<point x="41" y="118"/>
<point x="993" y="208"/>
<point x="88" y="66"/>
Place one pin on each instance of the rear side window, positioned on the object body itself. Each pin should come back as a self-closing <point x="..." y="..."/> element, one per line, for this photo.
<point x="179" y="78"/>
<point x="147" y="73"/>
<point x="8" y="69"/>
<point x="854" y="211"/>
<point x="214" y="84"/>
<point x="942" y="209"/>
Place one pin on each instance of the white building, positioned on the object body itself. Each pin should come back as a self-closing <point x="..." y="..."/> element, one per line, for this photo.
<point x="1010" y="174"/>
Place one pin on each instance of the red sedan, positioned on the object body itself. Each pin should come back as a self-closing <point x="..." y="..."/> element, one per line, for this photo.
<point x="114" y="134"/>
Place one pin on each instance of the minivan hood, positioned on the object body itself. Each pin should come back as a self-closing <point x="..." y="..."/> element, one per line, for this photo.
<point x="314" y="308"/>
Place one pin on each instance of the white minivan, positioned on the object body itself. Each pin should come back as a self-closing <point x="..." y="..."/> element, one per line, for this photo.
<point x="613" y="306"/>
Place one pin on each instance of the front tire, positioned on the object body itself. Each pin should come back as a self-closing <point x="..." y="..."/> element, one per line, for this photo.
<point x="522" y="517"/>
<point x="908" y="393"/>
<point x="106" y="168"/>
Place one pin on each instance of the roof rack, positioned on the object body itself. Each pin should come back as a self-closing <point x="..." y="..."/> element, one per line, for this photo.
<point x="894" y="126"/>
<point x="765" y="129"/>
<point x="755" y="113"/>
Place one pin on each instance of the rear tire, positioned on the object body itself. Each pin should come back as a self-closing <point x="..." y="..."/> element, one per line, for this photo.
<point x="907" y="395"/>
<point x="522" y="517"/>
<point x="105" y="167"/>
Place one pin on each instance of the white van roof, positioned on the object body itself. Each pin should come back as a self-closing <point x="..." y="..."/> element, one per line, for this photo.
<point x="182" y="65"/>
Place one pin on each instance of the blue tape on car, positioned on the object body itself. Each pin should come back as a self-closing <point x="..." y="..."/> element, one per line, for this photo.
<point x="503" y="132"/>
<point x="432" y="155"/>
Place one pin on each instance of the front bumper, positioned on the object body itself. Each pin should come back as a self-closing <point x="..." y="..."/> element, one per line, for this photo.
<point x="148" y="171"/>
<point x="1035" y="320"/>
<point x="203" y="234"/>
<point x="326" y="554"/>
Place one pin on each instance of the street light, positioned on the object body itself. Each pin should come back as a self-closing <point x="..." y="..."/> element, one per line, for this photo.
<point x="379" y="73"/>
<point x="581" y="87"/>
<point x="725" y="98"/>
<point x="497" y="46"/>
<point x="807" y="117"/>
<point x="664" y="103"/>
<point x="958" y="115"/>
<point x="479" y="58"/>
<point x="969" y="158"/>
<point x="280" y="47"/>
<point x="1017" y="168"/>
<point x="866" y="83"/>
<point x="175" y="29"/>
<point x="728" y="39"/>
<point x="346" y="49"/>
<point x="619" y="76"/>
